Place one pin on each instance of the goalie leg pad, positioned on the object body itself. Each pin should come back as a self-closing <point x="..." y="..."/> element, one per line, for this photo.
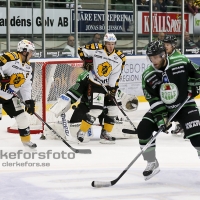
<point x="61" y="106"/>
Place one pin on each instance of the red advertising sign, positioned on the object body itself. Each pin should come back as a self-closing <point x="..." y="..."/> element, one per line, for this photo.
<point x="164" y="22"/>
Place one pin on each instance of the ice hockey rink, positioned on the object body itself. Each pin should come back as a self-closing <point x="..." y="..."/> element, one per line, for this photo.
<point x="179" y="178"/>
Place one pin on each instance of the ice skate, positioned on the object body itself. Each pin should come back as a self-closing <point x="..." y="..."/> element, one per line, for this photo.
<point x="30" y="145"/>
<point x="178" y="129"/>
<point x="105" y="138"/>
<point x="80" y="136"/>
<point x="151" y="170"/>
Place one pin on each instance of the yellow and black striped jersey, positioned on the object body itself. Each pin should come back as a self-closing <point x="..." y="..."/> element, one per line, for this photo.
<point x="20" y="75"/>
<point x="108" y="67"/>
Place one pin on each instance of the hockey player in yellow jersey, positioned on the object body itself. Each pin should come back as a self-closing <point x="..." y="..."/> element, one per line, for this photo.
<point x="16" y="74"/>
<point x="108" y="64"/>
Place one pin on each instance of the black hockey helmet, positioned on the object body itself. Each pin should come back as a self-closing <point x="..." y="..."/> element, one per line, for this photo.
<point x="155" y="48"/>
<point x="170" y="39"/>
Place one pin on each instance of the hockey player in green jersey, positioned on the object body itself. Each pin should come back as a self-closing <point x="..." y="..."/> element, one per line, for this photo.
<point x="170" y="42"/>
<point x="165" y="86"/>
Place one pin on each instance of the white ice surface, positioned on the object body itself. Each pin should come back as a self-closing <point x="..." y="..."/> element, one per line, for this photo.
<point x="179" y="178"/>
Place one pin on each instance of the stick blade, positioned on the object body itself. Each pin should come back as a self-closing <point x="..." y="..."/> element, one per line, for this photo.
<point x="128" y="131"/>
<point x="100" y="184"/>
<point x="83" y="151"/>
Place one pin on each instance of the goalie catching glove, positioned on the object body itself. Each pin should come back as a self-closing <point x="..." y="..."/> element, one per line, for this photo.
<point x="129" y="102"/>
<point x="61" y="106"/>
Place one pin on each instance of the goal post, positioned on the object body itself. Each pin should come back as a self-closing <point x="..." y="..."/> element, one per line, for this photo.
<point x="51" y="77"/>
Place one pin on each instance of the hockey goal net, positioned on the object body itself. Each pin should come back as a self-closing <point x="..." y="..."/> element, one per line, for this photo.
<point x="51" y="77"/>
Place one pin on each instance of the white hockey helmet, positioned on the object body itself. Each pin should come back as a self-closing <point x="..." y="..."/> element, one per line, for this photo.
<point x="109" y="37"/>
<point x="25" y="46"/>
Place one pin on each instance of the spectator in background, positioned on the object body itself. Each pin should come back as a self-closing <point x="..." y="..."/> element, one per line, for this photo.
<point x="155" y="5"/>
<point x="70" y="4"/>
<point x="2" y="3"/>
<point x="161" y="36"/>
<point x="197" y="3"/>
<point x="190" y="46"/>
<point x="198" y="42"/>
<point x="162" y="5"/>
<point x="69" y="48"/>
<point x="178" y="4"/>
<point x="143" y="5"/>
<point x="96" y="38"/>
<point x="190" y="7"/>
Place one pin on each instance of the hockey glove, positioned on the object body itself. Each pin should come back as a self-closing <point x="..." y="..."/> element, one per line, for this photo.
<point x="111" y="93"/>
<point x="4" y="83"/>
<point x="161" y="121"/>
<point x="30" y="106"/>
<point x="88" y="63"/>
<point x="193" y="91"/>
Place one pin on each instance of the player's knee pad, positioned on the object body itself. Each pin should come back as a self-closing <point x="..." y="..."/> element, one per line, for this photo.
<point x="22" y="121"/>
<point x="95" y="112"/>
<point x="113" y="110"/>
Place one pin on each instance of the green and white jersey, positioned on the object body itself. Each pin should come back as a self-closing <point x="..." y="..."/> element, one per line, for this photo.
<point x="80" y="88"/>
<point x="166" y="89"/>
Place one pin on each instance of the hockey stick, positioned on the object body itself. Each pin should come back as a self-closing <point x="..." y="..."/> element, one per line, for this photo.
<point x="114" y="100"/>
<point x="128" y="131"/>
<point x="83" y="151"/>
<point x="100" y="184"/>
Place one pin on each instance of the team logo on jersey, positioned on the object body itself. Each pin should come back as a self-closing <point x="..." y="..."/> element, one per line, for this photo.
<point x="168" y="93"/>
<point x="104" y="69"/>
<point x="17" y="80"/>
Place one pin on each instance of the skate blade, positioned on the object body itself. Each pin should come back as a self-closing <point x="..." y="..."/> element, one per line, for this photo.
<point x="103" y="141"/>
<point x="156" y="171"/>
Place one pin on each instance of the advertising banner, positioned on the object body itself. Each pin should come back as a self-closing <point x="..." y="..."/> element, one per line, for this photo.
<point x="162" y="22"/>
<point x="131" y="79"/>
<point x="93" y="21"/>
<point x="197" y="24"/>
<point x="28" y="21"/>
